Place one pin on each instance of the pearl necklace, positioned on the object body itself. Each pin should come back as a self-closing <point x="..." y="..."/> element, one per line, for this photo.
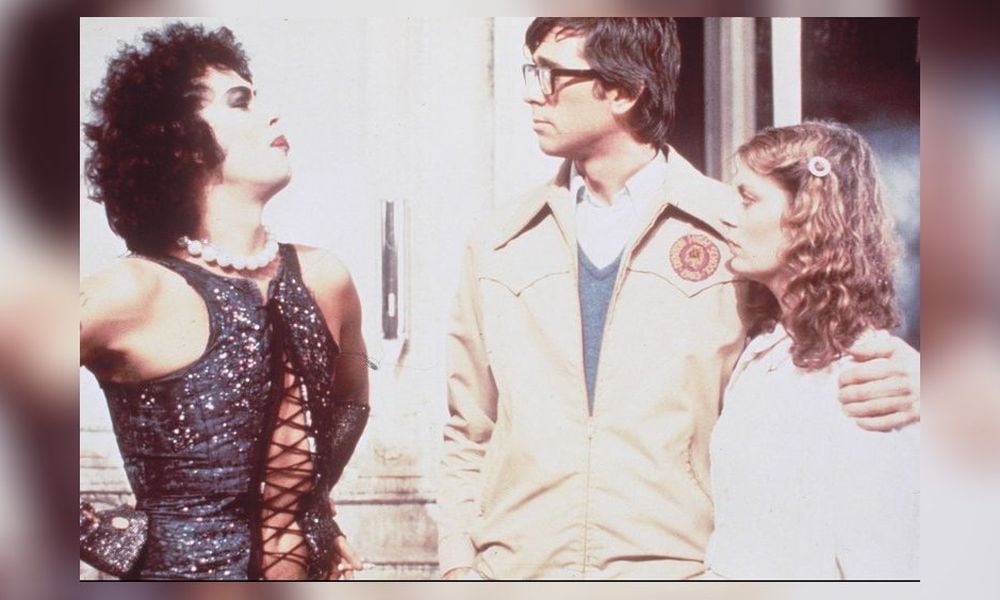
<point x="211" y="254"/>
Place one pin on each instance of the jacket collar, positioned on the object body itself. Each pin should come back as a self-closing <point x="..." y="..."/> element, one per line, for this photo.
<point x="683" y="187"/>
<point x="553" y="196"/>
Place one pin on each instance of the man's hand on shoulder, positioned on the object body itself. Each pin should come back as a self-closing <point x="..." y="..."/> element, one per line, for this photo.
<point x="881" y="390"/>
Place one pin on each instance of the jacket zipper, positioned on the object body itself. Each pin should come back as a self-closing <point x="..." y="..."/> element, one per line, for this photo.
<point x="586" y="528"/>
<point x="575" y="252"/>
<point x="626" y="259"/>
<point x="592" y="410"/>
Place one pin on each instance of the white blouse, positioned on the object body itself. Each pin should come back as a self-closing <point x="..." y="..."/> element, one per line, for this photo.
<point x="800" y="490"/>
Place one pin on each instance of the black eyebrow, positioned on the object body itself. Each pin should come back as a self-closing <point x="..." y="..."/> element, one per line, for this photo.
<point x="551" y="64"/>
<point x="200" y="90"/>
<point x="238" y="90"/>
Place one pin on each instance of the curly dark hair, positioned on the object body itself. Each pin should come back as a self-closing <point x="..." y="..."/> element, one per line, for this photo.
<point x="843" y="248"/>
<point x="151" y="154"/>
<point x="640" y="56"/>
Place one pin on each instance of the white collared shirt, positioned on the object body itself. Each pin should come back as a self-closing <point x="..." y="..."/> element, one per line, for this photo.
<point x="603" y="230"/>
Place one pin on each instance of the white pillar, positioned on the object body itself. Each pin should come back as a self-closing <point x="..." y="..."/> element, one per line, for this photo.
<point x="786" y="68"/>
<point x="730" y="89"/>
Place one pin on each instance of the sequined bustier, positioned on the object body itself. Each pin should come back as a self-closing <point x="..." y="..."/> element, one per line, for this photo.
<point x="234" y="456"/>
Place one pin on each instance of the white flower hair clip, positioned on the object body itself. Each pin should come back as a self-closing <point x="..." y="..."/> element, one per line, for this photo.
<point x="819" y="166"/>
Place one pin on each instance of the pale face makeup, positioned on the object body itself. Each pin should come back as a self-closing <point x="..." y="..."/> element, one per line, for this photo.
<point x="255" y="148"/>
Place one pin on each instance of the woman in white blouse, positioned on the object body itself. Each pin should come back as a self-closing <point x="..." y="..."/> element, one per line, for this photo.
<point x="800" y="491"/>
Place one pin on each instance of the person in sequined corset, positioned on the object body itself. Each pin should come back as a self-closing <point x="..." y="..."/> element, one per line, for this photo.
<point x="233" y="366"/>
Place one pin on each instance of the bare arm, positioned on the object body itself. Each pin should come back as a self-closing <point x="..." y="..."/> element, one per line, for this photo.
<point x="337" y="297"/>
<point x="112" y="303"/>
<point x="351" y="381"/>
<point x="94" y="322"/>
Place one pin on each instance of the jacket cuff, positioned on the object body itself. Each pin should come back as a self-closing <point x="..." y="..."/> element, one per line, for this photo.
<point x="455" y="551"/>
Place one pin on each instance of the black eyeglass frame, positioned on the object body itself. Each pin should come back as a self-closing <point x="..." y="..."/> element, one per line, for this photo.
<point x="548" y="85"/>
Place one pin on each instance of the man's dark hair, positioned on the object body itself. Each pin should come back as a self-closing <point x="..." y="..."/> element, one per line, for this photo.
<point x="640" y="56"/>
<point x="151" y="153"/>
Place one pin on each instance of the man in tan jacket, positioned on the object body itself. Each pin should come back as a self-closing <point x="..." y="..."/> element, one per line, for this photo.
<point x="594" y="331"/>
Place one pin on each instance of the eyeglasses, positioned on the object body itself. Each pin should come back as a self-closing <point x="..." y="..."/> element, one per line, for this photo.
<point x="546" y="76"/>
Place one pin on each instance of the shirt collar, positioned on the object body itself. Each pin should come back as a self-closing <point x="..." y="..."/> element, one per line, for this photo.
<point x="641" y="188"/>
<point x="678" y="184"/>
<point x="767" y="341"/>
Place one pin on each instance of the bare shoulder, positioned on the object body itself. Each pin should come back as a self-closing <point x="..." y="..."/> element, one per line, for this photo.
<point x="325" y="274"/>
<point x="120" y="289"/>
<point x="113" y="302"/>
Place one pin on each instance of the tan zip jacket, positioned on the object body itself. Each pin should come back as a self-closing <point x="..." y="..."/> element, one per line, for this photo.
<point x="533" y="485"/>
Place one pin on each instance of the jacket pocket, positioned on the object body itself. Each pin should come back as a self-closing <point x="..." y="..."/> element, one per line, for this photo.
<point x="692" y="472"/>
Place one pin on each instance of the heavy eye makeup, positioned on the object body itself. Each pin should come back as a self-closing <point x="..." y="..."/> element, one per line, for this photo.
<point x="239" y="97"/>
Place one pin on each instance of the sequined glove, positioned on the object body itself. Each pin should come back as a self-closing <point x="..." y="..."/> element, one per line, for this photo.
<point x="349" y="420"/>
<point x="349" y="423"/>
<point x="111" y="540"/>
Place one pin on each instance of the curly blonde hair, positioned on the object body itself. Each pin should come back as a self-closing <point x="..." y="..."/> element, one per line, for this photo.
<point x="843" y="247"/>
